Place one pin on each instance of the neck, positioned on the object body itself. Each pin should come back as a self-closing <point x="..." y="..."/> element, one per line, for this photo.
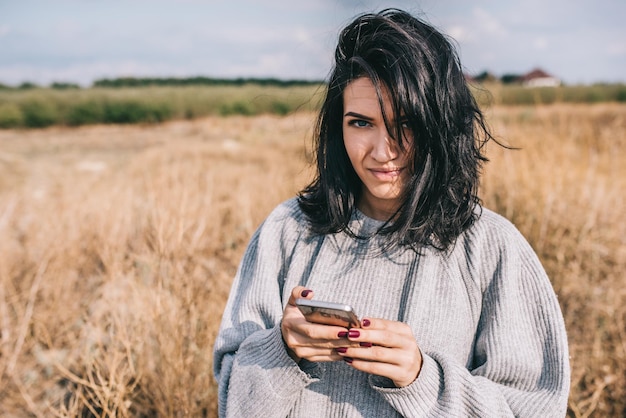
<point x="380" y="211"/>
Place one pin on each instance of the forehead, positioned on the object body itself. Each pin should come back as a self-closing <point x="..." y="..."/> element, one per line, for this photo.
<point x="361" y="94"/>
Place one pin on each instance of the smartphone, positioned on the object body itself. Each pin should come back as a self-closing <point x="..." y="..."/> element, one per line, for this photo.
<point x="328" y="313"/>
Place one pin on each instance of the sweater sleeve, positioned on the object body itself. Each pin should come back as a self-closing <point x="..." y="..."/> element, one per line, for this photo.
<point x="255" y="375"/>
<point x="520" y="358"/>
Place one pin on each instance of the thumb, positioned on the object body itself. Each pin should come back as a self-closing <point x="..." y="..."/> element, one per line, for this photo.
<point x="300" y="292"/>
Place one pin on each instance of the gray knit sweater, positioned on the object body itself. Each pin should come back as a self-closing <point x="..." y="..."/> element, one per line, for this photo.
<point x="484" y="315"/>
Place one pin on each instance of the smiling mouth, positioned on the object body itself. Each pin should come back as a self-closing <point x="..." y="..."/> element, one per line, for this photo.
<point x="386" y="174"/>
<point x="387" y="170"/>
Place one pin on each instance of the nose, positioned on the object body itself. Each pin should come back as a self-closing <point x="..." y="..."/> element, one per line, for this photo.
<point x="384" y="147"/>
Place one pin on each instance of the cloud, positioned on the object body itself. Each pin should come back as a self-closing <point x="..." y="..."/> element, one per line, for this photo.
<point x="459" y="33"/>
<point x="82" y="41"/>
<point x="480" y="27"/>
<point x="616" y="49"/>
<point x="85" y="73"/>
<point x="4" y="30"/>
<point x="488" y="23"/>
<point x="540" y="43"/>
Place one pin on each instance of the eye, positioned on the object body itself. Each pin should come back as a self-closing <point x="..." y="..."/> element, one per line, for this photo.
<point x="359" y="123"/>
<point x="407" y="131"/>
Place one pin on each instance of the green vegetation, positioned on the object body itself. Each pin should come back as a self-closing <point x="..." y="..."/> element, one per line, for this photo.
<point x="41" y="107"/>
<point x="129" y="101"/>
<point x="200" y="81"/>
<point x="508" y="94"/>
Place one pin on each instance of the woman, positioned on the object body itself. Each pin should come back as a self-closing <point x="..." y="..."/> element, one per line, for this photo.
<point x="458" y="316"/>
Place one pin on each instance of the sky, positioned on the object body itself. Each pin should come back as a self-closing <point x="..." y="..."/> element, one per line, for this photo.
<point x="79" y="41"/>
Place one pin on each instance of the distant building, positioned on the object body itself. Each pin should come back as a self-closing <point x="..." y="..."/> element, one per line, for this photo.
<point x="539" y="78"/>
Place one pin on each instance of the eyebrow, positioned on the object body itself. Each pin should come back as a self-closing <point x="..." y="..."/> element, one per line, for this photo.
<point x="368" y="118"/>
<point x="358" y="115"/>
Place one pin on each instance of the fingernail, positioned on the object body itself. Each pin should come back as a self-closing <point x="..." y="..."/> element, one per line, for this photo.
<point x="342" y="334"/>
<point x="353" y="333"/>
<point x="364" y="344"/>
<point x="366" y="322"/>
<point x="348" y="360"/>
<point x="341" y="350"/>
<point x="305" y="293"/>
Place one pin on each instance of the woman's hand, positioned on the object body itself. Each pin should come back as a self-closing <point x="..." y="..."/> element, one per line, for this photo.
<point x="306" y="340"/>
<point x="386" y="348"/>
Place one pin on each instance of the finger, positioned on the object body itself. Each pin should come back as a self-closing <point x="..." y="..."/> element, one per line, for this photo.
<point x="375" y="354"/>
<point x="317" y="354"/>
<point x="299" y="292"/>
<point x="400" y="375"/>
<point x="329" y="336"/>
<point x="298" y="331"/>
<point x="385" y="324"/>
<point x="402" y="367"/>
<point x="316" y="350"/>
<point x="384" y="333"/>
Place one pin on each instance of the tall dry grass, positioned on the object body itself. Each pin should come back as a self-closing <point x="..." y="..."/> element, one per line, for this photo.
<point x="118" y="249"/>
<point x="118" y="245"/>
<point x="566" y="191"/>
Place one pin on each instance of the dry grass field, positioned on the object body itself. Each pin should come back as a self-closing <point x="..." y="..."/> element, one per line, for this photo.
<point x="118" y="246"/>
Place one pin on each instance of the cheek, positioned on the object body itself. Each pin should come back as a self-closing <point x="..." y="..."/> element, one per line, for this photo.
<point x="356" y="146"/>
<point x="351" y="147"/>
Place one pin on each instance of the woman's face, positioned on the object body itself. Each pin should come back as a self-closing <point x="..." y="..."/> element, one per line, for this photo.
<point x="376" y="157"/>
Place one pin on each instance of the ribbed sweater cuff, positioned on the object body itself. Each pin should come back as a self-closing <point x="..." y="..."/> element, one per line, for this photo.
<point x="268" y="351"/>
<point x="420" y="397"/>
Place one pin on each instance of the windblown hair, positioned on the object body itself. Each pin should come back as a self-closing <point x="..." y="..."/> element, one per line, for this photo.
<point x="420" y="70"/>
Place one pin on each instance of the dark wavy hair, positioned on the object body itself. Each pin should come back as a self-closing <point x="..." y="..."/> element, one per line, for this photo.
<point x="420" y="69"/>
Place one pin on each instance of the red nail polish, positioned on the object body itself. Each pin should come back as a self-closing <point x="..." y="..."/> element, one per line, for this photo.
<point x="348" y="360"/>
<point x="305" y="293"/>
<point x="341" y="350"/>
<point x="364" y="344"/>
<point x="366" y="322"/>
<point x="353" y="333"/>
<point x="342" y="334"/>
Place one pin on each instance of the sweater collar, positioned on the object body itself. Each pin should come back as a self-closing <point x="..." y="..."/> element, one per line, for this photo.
<point x="363" y="225"/>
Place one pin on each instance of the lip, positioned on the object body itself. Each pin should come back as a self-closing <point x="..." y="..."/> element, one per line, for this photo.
<point x="386" y="174"/>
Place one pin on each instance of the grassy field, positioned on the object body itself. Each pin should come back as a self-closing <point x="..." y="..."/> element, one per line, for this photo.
<point x="43" y="107"/>
<point x="119" y="244"/>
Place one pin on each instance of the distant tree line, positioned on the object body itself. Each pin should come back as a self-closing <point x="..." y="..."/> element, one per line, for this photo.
<point x="126" y="101"/>
<point x="170" y="81"/>
<point x="487" y="77"/>
<point x="121" y="82"/>
<point x="204" y="81"/>
<point x="508" y="78"/>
